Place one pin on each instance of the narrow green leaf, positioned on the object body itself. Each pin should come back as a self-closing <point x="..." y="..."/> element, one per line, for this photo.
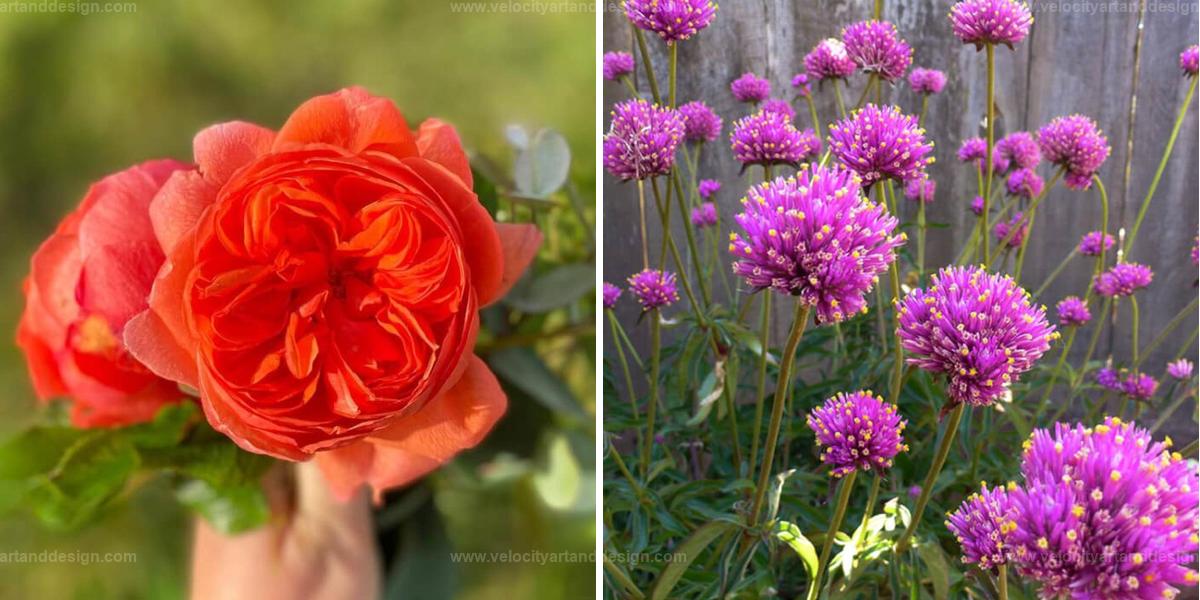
<point x="524" y="369"/>
<point x="687" y="551"/>
<point x="556" y="288"/>
<point x="791" y="535"/>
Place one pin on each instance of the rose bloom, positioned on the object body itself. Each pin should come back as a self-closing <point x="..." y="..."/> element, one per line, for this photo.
<point x="85" y="282"/>
<point x="322" y="288"/>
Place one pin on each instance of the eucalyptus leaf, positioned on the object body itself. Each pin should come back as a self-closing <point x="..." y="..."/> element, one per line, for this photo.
<point x="524" y="369"/>
<point x="559" y="287"/>
<point x="541" y="168"/>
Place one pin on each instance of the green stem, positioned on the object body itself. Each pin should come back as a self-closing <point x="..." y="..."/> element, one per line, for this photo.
<point x="1062" y="358"/>
<point x="1166" y="415"/>
<point x="939" y="460"/>
<point x="641" y="43"/>
<point x="1056" y="272"/>
<point x="894" y="275"/>
<point x="991" y="139"/>
<point x="812" y="113"/>
<point x="866" y="89"/>
<point x="664" y="214"/>
<point x="920" y="238"/>
<point x="839" y="512"/>
<point x="1102" y="316"/>
<point x="1002" y="581"/>
<point x="671" y="73"/>
<point x="612" y="320"/>
<point x="924" y="108"/>
<point x="872" y="498"/>
<point x="652" y="406"/>
<point x="688" y="228"/>
<point x="1171" y="326"/>
<point x="837" y="95"/>
<point x="1027" y="218"/>
<point x="629" y="85"/>
<point x="760" y="393"/>
<point x="1133" y="305"/>
<point x="642" y="217"/>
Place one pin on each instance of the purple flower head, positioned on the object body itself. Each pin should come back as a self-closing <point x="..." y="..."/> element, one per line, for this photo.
<point x="672" y="20"/>
<point x="1019" y="149"/>
<point x="978" y="328"/>
<point x="1139" y="386"/>
<point x="654" y="289"/>
<point x="857" y="432"/>
<point x="1188" y="60"/>
<point x="617" y="65"/>
<point x="973" y="150"/>
<point x="1089" y="244"/>
<point x="641" y="140"/>
<point x="983" y="524"/>
<point x="926" y="81"/>
<point x="782" y="107"/>
<point x="1003" y="229"/>
<point x="801" y="85"/>
<point x="987" y="22"/>
<point x="769" y="138"/>
<point x="1108" y="378"/>
<point x="815" y="236"/>
<point x="704" y="215"/>
<point x="914" y="491"/>
<point x="1076" y="144"/>
<point x="611" y="294"/>
<point x="920" y="189"/>
<point x="708" y="187"/>
<point x="1123" y="280"/>
<point x="750" y="88"/>
<point x="829" y="60"/>
<point x="1180" y="369"/>
<point x="977" y="205"/>
<point x="700" y="123"/>
<point x="1025" y="183"/>
<point x="1106" y="512"/>
<point x="1196" y="250"/>
<point x="881" y="143"/>
<point x="1073" y="312"/>
<point x="876" y="48"/>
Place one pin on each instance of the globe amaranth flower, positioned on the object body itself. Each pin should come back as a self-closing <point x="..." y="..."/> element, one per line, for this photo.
<point x="782" y="107"/>
<point x="750" y="88"/>
<point x="1025" y="183"/>
<point x="815" y="236"/>
<point x="672" y="20"/>
<point x="920" y="189"/>
<point x="876" y="47"/>
<point x="642" y="140"/>
<point x="707" y="187"/>
<point x="769" y="138"/>
<point x="611" y="294"/>
<point x="704" y="215"/>
<point x="1004" y="230"/>
<point x="857" y="432"/>
<point x="829" y="60"/>
<point x="1106" y="512"/>
<point x="1180" y="369"/>
<point x="801" y="85"/>
<point x="617" y="65"/>
<point x="1123" y="279"/>
<point x="700" y="123"/>
<point x="654" y="289"/>
<point x="1090" y="244"/>
<point x="1073" y="312"/>
<point x="926" y="81"/>
<point x="1019" y="150"/>
<point x="881" y="143"/>
<point x="974" y="150"/>
<point x="989" y="22"/>
<point x="1077" y="145"/>
<point x="977" y="205"/>
<point x="1188" y="60"/>
<point x="978" y="328"/>
<point x="1109" y="378"/>
<point x="983" y="524"/>
<point x="1139" y="386"/>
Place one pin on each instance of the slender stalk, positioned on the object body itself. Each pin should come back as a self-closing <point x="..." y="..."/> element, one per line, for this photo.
<point x="633" y="353"/>
<point x="1166" y="415"/>
<point x="641" y="44"/>
<point x="991" y="140"/>
<point x="1002" y="581"/>
<point x="1056" y="272"/>
<point x="839" y="512"/>
<point x="1133" y="305"/>
<point x="924" y="108"/>
<point x="624" y="469"/>
<point x="664" y="213"/>
<point x="731" y="379"/>
<point x="1023" y="248"/>
<point x="688" y="230"/>
<point x="1175" y="321"/>
<point x="872" y="498"/>
<point x="642" y="217"/>
<point x="894" y="275"/>
<point x="812" y="113"/>
<point x="837" y="95"/>
<point x="622" y="579"/>
<point x="1162" y="165"/>
<point x="1101" y="318"/>
<point x="612" y="320"/>
<point x="671" y="73"/>
<point x="628" y="81"/>
<point x="935" y="469"/>
<point x="1062" y="358"/>
<point x="764" y="339"/>
<point x="1027" y="218"/>
<point x="652" y="405"/>
<point x="920" y="238"/>
<point x="866" y="89"/>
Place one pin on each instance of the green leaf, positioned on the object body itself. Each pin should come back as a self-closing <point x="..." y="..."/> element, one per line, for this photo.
<point x="711" y="389"/>
<point x="423" y="566"/>
<point x="89" y="473"/>
<point x="524" y="369"/>
<point x="541" y="168"/>
<point x="231" y="509"/>
<point x="687" y="551"/>
<point x="561" y="286"/>
<point x="937" y="568"/>
<point x="791" y="535"/>
<point x="558" y="483"/>
<point x="167" y="429"/>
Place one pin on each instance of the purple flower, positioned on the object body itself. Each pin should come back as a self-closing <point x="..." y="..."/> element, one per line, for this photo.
<point x="920" y="189"/>
<point x="1139" y="386"/>
<point x="801" y="85"/>
<point x="977" y="205"/>
<point x="815" y="236"/>
<point x="782" y="107"/>
<point x="914" y="491"/>
<point x="611" y="294"/>
<point x="672" y="20"/>
<point x="704" y="215"/>
<point x="1196" y="250"/>
<point x="857" y="432"/>
<point x="708" y="187"/>
<point x="983" y="524"/>
<point x="769" y="138"/>
<point x="978" y="328"/>
<point x="617" y="65"/>
<point x="1089" y="244"/>
<point x="1123" y="280"/>
<point x="1002" y="230"/>
<point x="1180" y="369"/>
<point x="1073" y="312"/>
<point x="876" y="48"/>
<point x="700" y="123"/>
<point x="1106" y="512"/>
<point x="750" y="88"/>
<point x="1076" y="144"/>
<point x="987" y="22"/>
<point x="1108" y="378"/>
<point x="1025" y="183"/>
<point x="926" y="81"/>
<point x="973" y="150"/>
<point x="654" y="289"/>
<point x="1188" y="60"/>
<point x="829" y="60"/>
<point x="641" y="140"/>
<point x="881" y="144"/>
<point x="1020" y="149"/>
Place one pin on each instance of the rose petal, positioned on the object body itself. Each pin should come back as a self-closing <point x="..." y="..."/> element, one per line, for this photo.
<point x="222" y="149"/>
<point x="178" y="206"/>
<point x="520" y="242"/>
<point x="149" y="340"/>
<point x="352" y="119"/>
<point x="439" y="142"/>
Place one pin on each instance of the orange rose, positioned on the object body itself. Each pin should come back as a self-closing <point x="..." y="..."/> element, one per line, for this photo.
<point x="322" y="288"/>
<point x="85" y="282"/>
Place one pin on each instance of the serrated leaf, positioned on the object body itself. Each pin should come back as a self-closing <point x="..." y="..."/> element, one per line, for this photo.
<point x="89" y="474"/>
<point x="791" y="535"/>
<point x="524" y="369"/>
<point x="559" y="287"/>
<point x="541" y="168"/>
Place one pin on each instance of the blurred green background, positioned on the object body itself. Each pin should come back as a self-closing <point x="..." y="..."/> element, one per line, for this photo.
<point x="83" y="96"/>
